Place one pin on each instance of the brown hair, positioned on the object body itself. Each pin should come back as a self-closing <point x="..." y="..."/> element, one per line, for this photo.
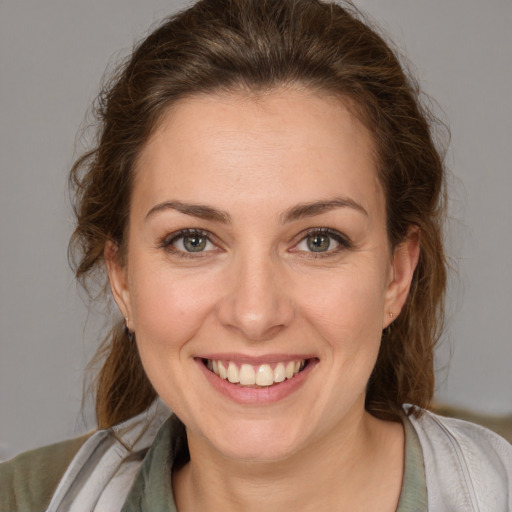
<point x="226" y="45"/>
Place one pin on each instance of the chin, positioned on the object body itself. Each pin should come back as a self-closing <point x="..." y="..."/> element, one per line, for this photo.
<point x="262" y="448"/>
<point x="257" y="440"/>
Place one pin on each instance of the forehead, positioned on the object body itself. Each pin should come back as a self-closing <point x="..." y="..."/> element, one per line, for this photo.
<point x="287" y="145"/>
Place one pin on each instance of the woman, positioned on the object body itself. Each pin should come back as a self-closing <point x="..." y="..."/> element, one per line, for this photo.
<point x="267" y="202"/>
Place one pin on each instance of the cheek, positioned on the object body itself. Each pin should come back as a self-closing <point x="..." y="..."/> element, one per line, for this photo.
<point x="168" y="308"/>
<point x="168" y="311"/>
<point x="344" y="311"/>
<point x="346" y="308"/>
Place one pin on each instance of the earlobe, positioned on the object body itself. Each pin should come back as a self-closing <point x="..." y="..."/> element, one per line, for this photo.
<point x="404" y="262"/>
<point x="118" y="280"/>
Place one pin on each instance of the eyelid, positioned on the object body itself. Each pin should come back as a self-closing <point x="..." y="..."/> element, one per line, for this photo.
<point x="343" y="241"/>
<point x="169" y="239"/>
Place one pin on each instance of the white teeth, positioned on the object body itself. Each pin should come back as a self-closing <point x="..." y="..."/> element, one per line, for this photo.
<point x="247" y="375"/>
<point x="233" y="373"/>
<point x="264" y="375"/>
<point x="223" y="373"/>
<point x="279" y="373"/>
<point x="289" y="370"/>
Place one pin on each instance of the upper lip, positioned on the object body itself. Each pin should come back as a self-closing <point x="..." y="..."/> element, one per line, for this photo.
<point x="255" y="360"/>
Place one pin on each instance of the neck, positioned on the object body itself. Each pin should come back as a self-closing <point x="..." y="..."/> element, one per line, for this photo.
<point x="333" y="473"/>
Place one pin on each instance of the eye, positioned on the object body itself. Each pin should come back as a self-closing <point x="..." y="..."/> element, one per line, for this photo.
<point x="322" y="241"/>
<point x="189" y="241"/>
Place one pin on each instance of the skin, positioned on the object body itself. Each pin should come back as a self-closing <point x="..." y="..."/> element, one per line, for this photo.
<point x="257" y="289"/>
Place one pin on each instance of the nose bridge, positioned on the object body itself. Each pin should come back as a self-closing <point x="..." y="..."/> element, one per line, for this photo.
<point x="257" y="303"/>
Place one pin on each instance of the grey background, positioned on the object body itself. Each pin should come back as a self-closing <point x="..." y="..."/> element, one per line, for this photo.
<point x="52" y="56"/>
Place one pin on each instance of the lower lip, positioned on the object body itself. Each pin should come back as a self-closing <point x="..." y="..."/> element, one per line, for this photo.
<point x="257" y="396"/>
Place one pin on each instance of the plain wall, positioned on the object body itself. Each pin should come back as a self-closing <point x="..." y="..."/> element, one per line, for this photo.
<point x="52" y="56"/>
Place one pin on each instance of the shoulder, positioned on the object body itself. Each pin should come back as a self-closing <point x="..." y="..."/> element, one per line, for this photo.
<point x="79" y="471"/>
<point x="28" y="481"/>
<point x="466" y="465"/>
<point x="102" y="471"/>
<point x="467" y="437"/>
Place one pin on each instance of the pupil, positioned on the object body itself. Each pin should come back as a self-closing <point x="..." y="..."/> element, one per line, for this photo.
<point x="318" y="243"/>
<point x="194" y="243"/>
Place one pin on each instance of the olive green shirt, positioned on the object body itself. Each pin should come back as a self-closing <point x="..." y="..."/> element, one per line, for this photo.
<point x="28" y="481"/>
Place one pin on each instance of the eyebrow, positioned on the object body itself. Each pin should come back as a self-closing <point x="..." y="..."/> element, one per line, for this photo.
<point x="297" y="212"/>
<point x="304" y="210"/>
<point x="195" y="210"/>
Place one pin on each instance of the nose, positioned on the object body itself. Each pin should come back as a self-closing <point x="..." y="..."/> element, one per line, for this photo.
<point x="258" y="303"/>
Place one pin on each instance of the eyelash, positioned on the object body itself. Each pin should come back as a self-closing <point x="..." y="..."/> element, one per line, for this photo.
<point x="344" y="243"/>
<point x="167" y="242"/>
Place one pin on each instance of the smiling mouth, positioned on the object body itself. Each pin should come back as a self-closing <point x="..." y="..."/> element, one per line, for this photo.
<point x="256" y="376"/>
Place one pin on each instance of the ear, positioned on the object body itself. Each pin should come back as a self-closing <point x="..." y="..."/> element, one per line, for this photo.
<point x="117" y="275"/>
<point x="404" y="261"/>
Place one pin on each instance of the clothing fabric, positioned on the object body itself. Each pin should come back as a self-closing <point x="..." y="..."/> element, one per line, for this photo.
<point x="28" y="482"/>
<point x="450" y="466"/>
<point x="467" y="467"/>
<point x="414" y="495"/>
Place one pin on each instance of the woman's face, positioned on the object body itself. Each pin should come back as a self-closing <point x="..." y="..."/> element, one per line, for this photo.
<point x="258" y="248"/>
